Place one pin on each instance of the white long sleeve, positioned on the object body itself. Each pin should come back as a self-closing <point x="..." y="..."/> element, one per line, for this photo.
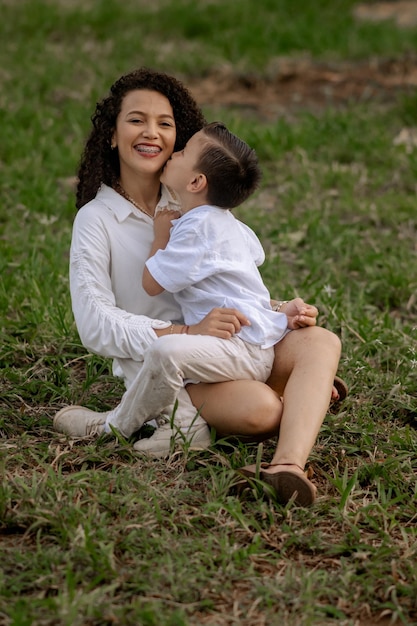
<point x="115" y="317"/>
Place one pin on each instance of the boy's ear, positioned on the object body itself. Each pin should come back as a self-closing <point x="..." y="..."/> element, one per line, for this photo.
<point x="197" y="184"/>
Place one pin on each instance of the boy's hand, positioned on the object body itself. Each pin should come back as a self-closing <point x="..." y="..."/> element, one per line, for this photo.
<point x="299" y="313"/>
<point x="162" y="225"/>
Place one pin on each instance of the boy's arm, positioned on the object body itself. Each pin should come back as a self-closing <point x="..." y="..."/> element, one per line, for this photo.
<point x="162" y="227"/>
<point x="150" y="285"/>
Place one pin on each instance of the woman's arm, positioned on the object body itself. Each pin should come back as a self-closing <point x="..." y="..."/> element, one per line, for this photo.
<point x="104" y="327"/>
<point x="219" y="322"/>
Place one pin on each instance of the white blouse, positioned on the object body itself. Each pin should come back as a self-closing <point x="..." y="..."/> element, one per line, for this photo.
<point x="114" y="315"/>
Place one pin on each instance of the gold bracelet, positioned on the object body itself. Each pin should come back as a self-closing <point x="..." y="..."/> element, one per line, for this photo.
<point x="277" y="307"/>
<point x="171" y="330"/>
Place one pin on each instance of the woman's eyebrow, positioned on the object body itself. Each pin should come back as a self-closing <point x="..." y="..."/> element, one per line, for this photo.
<point x="167" y="115"/>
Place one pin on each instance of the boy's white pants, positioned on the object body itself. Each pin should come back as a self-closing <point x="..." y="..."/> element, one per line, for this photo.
<point x="175" y="360"/>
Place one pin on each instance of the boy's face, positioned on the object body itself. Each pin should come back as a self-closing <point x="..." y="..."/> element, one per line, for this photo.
<point x="180" y="169"/>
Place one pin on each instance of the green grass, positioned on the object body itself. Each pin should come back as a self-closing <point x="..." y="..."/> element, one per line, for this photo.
<point x="91" y="534"/>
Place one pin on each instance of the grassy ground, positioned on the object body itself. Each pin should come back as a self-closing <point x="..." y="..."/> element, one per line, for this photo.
<point x="91" y="534"/>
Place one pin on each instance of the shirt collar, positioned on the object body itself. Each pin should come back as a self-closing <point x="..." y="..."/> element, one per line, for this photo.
<point x="122" y="208"/>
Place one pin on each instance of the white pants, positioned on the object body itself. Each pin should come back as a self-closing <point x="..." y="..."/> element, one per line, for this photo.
<point x="174" y="360"/>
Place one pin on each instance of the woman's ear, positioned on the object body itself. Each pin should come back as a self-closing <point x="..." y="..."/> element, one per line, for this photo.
<point x="197" y="184"/>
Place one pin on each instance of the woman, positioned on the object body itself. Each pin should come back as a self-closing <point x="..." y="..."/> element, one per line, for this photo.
<point x="136" y="128"/>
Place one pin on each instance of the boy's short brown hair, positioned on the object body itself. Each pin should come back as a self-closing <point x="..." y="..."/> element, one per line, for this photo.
<point x="230" y="166"/>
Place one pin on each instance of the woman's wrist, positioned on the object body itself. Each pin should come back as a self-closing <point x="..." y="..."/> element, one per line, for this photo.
<point x="178" y="329"/>
<point x="278" y="306"/>
<point x="173" y="329"/>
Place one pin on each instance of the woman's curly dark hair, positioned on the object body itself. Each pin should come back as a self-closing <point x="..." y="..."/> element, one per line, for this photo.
<point x="99" y="163"/>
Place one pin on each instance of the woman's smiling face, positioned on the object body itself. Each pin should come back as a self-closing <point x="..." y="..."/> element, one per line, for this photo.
<point x="145" y="133"/>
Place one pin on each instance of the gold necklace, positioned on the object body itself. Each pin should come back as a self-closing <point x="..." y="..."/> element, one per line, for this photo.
<point x="126" y="196"/>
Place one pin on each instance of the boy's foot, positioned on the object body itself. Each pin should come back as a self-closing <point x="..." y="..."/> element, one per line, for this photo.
<point x="288" y="481"/>
<point x="77" y="421"/>
<point x="165" y="439"/>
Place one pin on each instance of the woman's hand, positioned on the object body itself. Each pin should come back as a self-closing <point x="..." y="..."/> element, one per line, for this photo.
<point x="220" y="322"/>
<point x="299" y="313"/>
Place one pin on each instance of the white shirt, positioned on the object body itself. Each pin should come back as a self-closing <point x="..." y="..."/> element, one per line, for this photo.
<point x="114" y="315"/>
<point x="211" y="261"/>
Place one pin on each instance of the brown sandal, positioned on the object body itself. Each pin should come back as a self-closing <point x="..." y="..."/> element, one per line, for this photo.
<point x="342" y="389"/>
<point x="287" y="484"/>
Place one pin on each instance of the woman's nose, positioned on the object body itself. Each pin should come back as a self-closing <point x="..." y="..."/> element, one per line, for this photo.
<point x="151" y="129"/>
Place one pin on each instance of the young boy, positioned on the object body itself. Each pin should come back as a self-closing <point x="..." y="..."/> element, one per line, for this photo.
<point x="210" y="259"/>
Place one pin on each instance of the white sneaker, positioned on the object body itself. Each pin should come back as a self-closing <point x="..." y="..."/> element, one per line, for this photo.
<point x="77" y="421"/>
<point x="162" y="443"/>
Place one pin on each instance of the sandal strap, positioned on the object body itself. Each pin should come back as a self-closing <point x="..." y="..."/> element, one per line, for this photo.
<point x="294" y="464"/>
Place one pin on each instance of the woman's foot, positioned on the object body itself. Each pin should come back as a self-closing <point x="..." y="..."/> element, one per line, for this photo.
<point x="339" y="391"/>
<point x="77" y="421"/>
<point x="288" y="481"/>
